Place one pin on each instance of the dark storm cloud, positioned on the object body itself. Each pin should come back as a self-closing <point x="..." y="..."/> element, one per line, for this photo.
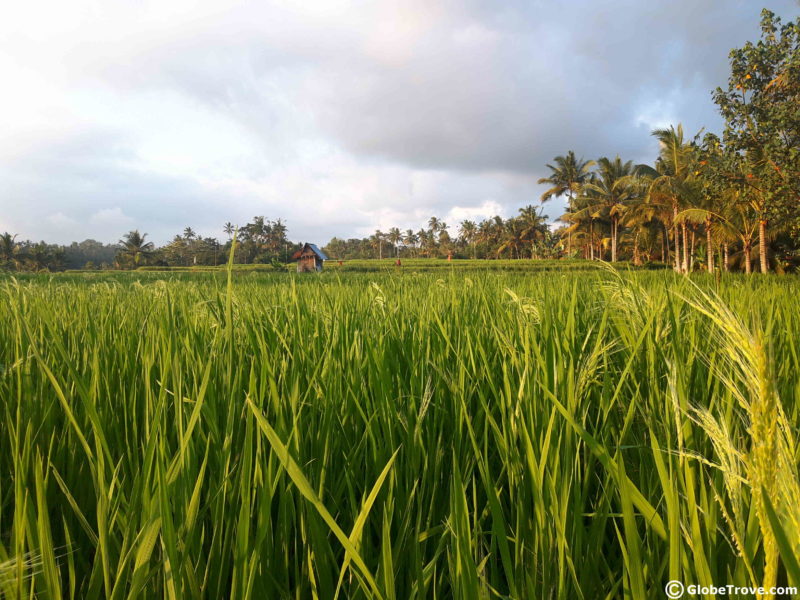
<point x="471" y="86"/>
<point x="509" y="92"/>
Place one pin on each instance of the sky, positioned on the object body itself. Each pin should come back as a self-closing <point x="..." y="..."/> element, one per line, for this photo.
<point x="339" y="117"/>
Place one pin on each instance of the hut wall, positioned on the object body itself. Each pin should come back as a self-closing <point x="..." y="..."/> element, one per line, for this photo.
<point x="307" y="264"/>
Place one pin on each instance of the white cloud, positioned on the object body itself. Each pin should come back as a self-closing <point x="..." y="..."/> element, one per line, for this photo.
<point x="59" y="219"/>
<point x="485" y="210"/>
<point x="111" y="218"/>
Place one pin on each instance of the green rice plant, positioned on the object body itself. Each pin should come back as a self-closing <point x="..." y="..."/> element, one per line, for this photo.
<point x="396" y="433"/>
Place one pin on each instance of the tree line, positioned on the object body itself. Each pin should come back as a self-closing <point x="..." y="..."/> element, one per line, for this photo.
<point x="526" y="235"/>
<point x="260" y="241"/>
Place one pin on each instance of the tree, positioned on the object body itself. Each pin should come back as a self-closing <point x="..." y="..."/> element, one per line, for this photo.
<point x="762" y="121"/>
<point x="566" y="177"/>
<point x="610" y="192"/>
<point x="134" y="247"/>
<point x="394" y="237"/>
<point x="410" y="239"/>
<point x="533" y="226"/>
<point x="8" y="250"/>
<point x="279" y="239"/>
<point x="468" y="232"/>
<point x="736" y="221"/>
<point x="229" y="229"/>
<point x="511" y="239"/>
<point x="377" y="242"/>
<point x="673" y="184"/>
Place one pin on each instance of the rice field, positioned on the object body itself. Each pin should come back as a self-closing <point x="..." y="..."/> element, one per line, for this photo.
<point x="397" y="434"/>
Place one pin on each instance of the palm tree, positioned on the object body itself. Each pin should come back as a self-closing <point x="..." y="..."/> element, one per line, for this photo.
<point x="410" y="239"/>
<point x="38" y="256"/>
<point x="534" y="226"/>
<point x="643" y="219"/>
<point x="377" y="241"/>
<point x="675" y="184"/>
<point x="610" y="192"/>
<point x="512" y="238"/>
<point x="8" y="249"/>
<point x="394" y="237"/>
<point x="736" y="221"/>
<point x="229" y="229"/>
<point x="583" y="220"/>
<point x="134" y="246"/>
<point x="189" y="233"/>
<point x="485" y="234"/>
<point x="566" y="177"/>
<point x="468" y="231"/>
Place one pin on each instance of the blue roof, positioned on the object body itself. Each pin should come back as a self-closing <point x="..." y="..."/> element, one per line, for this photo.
<point x="317" y="251"/>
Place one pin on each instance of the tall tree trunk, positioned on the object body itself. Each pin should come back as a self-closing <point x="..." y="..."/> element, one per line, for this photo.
<point x="569" y="233"/>
<point x="591" y="239"/>
<point x="725" y="259"/>
<point x="709" y="246"/>
<point x="762" y="244"/>
<point x="691" y="253"/>
<point x="614" y="239"/>
<point x="685" y="264"/>
<point x="747" y="267"/>
<point x="636" y="249"/>
<point x="676" y="237"/>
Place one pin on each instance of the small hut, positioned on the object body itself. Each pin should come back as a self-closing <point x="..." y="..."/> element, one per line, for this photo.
<point x="309" y="258"/>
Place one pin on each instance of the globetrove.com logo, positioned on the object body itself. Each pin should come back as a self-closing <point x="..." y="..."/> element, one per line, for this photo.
<point x="676" y="589"/>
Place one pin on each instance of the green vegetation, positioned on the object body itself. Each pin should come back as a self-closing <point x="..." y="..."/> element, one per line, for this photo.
<point x="398" y="434"/>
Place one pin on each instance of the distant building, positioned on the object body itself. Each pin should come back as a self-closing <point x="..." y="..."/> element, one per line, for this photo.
<point x="309" y="258"/>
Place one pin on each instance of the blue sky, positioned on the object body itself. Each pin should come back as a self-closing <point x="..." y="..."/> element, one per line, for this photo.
<point x="340" y="117"/>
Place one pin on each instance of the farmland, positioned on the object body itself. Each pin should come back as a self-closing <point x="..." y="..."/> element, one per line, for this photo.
<point x="397" y="433"/>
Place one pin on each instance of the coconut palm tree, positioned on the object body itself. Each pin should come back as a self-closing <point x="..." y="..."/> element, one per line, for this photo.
<point x="468" y="232"/>
<point x="8" y="250"/>
<point x="566" y="177"/>
<point x="609" y="194"/>
<point x="736" y="221"/>
<point x="410" y="239"/>
<point x="426" y="241"/>
<point x="534" y="226"/>
<point x="134" y="247"/>
<point x="511" y="239"/>
<point x="675" y="185"/>
<point x="229" y="229"/>
<point x="377" y="242"/>
<point x="643" y="221"/>
<point x="394" y="237"/>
